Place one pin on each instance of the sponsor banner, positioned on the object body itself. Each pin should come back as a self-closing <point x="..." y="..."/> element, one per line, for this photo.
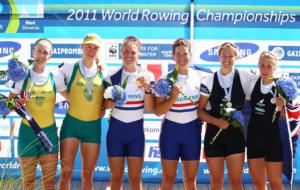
<point x="249" y="51"/>
<point x="152" y="153"/>
<point x="286" y="53"/>
<point x="34" y="17"/>
<point x="157" y="24"/>
<point x="254" y="2"/>
<point x="154" y="51"/>
<point x="245" y="16"/>
<point x="7" y="47"/>
<point x="61" y="107"/>
<point x="207" y="52"/>
<point x="244" y="49"/>
<point x="296" y="77"/>
<point x="65" y="51"/>
<point x="152" y="129"/>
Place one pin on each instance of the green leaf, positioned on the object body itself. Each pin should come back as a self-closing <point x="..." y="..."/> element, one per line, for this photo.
<point x="118" y="93"/>
<point x="172" y="77"/>
<point x="236" y="124"/>
<point x="13" y="55"/>
<point x="30" y="61"/>
<point x="10" y="104"/>
<point x="124" y="84"/>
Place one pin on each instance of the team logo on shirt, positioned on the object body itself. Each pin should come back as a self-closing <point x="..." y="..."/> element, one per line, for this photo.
<point x="261" y="103"/>
<point x="39" y="100"/>
<point x="259" y="108"/>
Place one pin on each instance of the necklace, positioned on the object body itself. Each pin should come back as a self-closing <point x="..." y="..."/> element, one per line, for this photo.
<point x="227" y="91"/>
<point x="89" y="84"/>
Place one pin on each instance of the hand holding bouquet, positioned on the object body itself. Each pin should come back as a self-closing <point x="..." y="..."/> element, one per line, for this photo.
<point x="7" y="105"/>
<point x="287" y="89"/>
<point x="116" y="94"/>
<point x="234" y="117"/>
<point x="163" y="87"/>
<point x="17" y="69"/>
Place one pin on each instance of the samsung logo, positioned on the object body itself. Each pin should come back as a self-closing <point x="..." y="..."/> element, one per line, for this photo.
<point x="61" y="107"/>
<point x="7" y="47"/>
<point x="245" y="50"/>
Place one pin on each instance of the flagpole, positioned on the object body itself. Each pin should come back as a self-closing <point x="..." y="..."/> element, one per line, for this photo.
<point x="291" y="146"/>
<point x="192" y="26"/>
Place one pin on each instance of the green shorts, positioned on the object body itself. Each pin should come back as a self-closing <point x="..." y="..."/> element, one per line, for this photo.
<point x="85" y="131"/>
<point x="30" y="146"/>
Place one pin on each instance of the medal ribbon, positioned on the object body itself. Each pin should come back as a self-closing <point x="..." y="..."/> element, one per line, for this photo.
<point x="229" y="91"/>
<point x="89" y="83"/>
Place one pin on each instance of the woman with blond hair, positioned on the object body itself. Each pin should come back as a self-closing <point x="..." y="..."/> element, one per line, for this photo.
<point x="82" y="123"/>
<point x="40" y="85"/>
<point x="225" y="88"/>
<point x="264" y="146"/>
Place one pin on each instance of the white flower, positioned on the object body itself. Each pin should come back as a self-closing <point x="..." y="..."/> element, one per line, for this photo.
<point x="108" y="93"/>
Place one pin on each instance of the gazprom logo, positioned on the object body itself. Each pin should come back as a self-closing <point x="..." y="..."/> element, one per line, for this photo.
<point x="245" y="50"/>
<point x="286" y="53"/>
<point x="7" y="47"/>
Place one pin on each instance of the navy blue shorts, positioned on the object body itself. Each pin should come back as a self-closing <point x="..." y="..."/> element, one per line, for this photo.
<point x="125" y="139"/>
<point x="180" y="140"/>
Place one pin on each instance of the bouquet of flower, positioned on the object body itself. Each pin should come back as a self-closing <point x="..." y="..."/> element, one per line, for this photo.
<point x="116" y="94"/>
<point x="163" y="87"/>
<point x="234" y="117"/>
<point x="17" y="69"/>
<point x="4" y="106"/>
<point x="287" y="89"/>
<point x="9" y="105"/>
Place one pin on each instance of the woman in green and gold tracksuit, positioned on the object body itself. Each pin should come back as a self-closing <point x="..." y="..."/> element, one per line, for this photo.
<point x="82" y="124"/>
<point x="41" y="86"/>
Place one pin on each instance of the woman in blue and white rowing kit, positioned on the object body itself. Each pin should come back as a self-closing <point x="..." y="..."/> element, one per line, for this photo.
<point x="180" y="135"/>
<point x="125" y="137"/>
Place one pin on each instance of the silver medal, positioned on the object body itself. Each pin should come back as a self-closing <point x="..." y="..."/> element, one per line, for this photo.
<point x="228" y="104"/>
<point x="273" y="100"/>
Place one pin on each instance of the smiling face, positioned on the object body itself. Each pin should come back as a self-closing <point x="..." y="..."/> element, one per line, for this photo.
<point x="130" y="54"/>
<point x="267" y="66"/>
<point x="90" y="52"/>
<point x="182" y="56"/>
<point x="41" y="54"/>
<point x="227" y="57"/>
